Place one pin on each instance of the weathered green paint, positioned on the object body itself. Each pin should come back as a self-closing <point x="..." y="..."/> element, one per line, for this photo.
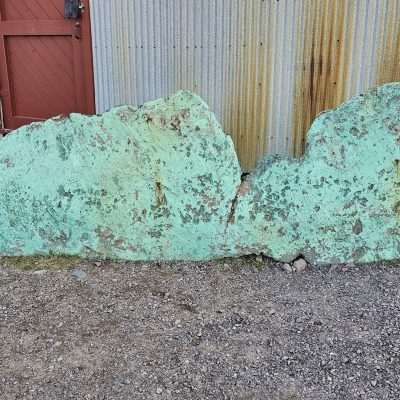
<point x="163" y="182"/>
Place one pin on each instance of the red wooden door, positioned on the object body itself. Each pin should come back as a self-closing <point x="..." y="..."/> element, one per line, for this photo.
<point x="45" y="62"/>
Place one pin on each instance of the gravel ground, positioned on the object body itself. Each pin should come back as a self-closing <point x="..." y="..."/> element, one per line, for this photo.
<point x="232" y="329"/>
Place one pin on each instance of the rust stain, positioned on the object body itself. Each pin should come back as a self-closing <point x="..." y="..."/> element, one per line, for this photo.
<point x="249" y="85"/>
<point x="322" y="58"/>
<point x="389" y="52"/>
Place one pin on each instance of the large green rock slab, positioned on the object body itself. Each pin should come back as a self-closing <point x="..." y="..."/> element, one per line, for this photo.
<point x="149" y="183"/>
<point x="162" y="182"/>
<point x="341" y="201"/>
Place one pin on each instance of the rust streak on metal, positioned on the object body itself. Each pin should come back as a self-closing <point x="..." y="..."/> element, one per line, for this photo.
<point x="249" y="88"/>
<point x="320" y="82"/>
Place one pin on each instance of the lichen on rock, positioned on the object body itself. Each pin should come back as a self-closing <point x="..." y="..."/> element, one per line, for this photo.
<point x="163" y="182"/>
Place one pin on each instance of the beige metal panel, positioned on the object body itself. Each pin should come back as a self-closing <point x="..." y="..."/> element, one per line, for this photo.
<point x="266" y="67"/>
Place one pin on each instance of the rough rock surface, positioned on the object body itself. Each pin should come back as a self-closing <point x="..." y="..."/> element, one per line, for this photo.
<point x="163" y="182"/>
<point x="148" y="183"/>
<point x="341" y="201"/>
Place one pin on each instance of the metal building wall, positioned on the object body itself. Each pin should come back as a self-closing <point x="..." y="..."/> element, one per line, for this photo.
<point x="265" y="67"/>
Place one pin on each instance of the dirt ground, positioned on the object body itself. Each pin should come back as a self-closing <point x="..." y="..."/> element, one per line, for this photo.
<point x="232" y="329"/>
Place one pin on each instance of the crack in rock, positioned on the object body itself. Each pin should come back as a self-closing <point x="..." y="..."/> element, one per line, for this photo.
<point x="241" y="190"/>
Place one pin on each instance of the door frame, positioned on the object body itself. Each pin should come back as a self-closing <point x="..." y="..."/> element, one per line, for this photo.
<point x="82" y="53"/>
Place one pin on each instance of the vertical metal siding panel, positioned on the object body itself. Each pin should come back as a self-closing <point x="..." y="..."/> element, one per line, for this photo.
<point x="268" y="95"/>
<point x="110" y="48"/>
<point x="253" y="91"/>
<point x="232" y="94"/>
<point x="286" y="71"/>
<point x="211" y="53"/>
<point x="278" y="46"/>
<point x="131" y="53"/>
<point x="163" y="52"/>
<point x="296" y="26"/>
<point x="367" y="21"/>
<point x="273" y="78"/>
<point x="265" y="67"/>
<point x="147" y="53"/>
<point x="258" y="112"/>
<point x="136" y="52"/>
<point x="242" y="81"/>
<point x="389" y="53"/>
<point x="284" y="61"/>
<point x="245" y="60"/>
<point x="376" y="19"/>
<point x="220" y="62"/>
<point x="358" y="44"/>
<point x="96" y="54"/>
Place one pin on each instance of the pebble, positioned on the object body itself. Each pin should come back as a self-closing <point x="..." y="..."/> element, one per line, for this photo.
<point x="79" y="274"/>
<point x="286" y="267"/>
<point x="259" y="258"/>
<point x="159" y="390"/>
<point x="300" y="265"/>
<point x="40" y="272"/>
<point x="334" y="268"/>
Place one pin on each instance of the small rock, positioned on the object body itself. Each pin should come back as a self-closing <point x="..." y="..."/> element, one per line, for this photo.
<point x="300" y="265"/>
<point x="287" y="268"/>
<point x="97" y="264"/>
<point x="79" y="275"/>
<point x="374" y="383"/>
<point x="159" y="390"/>
<point x="259" y="258"/>
<point x="40" y="272"/>
<point x="334" y="268"/>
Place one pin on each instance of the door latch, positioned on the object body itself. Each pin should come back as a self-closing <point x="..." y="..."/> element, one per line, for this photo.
<point x="77" y="30"/>
<point x="73" y="9"/>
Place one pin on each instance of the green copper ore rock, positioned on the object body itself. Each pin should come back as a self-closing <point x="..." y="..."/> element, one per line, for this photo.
<point x="162" y="182"/>
<point x="341" y="201"/>
<point x="149" y="183"/>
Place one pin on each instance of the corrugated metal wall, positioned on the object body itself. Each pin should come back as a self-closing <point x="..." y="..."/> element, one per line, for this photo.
<point x="266" y="67"/>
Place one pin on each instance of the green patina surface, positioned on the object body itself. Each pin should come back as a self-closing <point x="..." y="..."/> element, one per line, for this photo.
<point x="163" y="181"/>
